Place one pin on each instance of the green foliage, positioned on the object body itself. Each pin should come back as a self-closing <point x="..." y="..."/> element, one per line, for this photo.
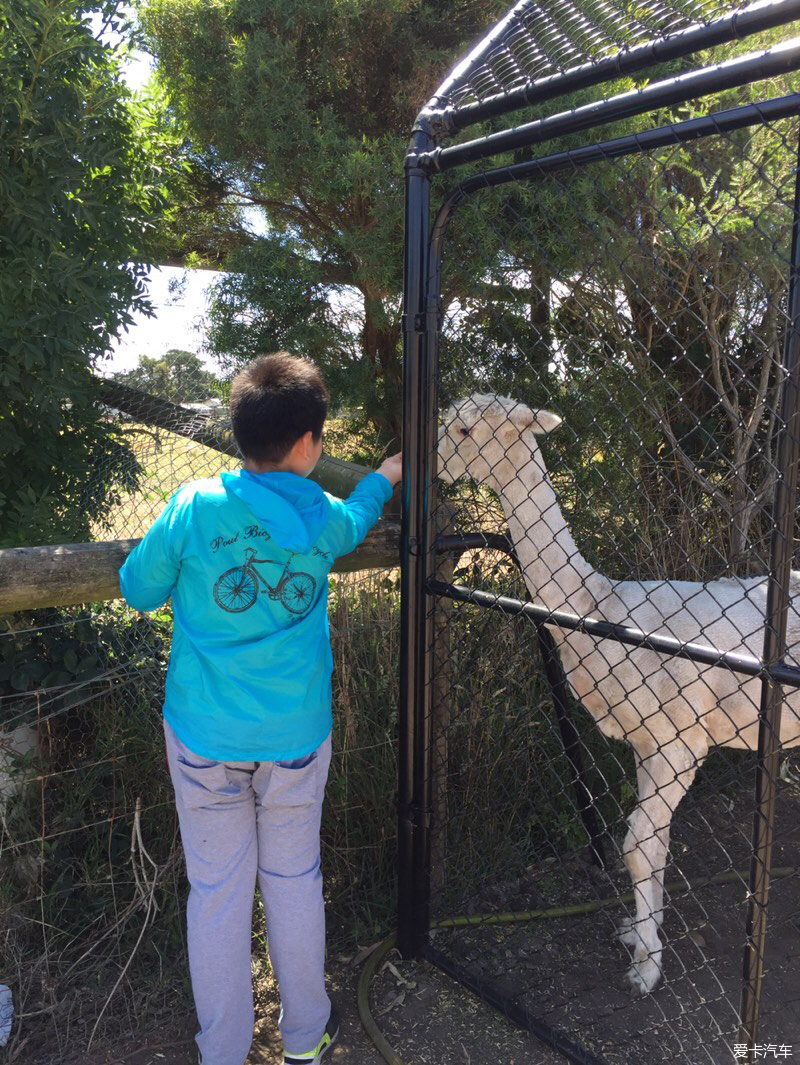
<point x="83" y="181"/>
<point x="54" y="649"/>
<point x="300" y="109"/>
<point x="177" y="375"/>
<point x="293" y="309"/>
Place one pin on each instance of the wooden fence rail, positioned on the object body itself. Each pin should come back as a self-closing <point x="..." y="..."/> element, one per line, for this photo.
<point x="68" y="574"/>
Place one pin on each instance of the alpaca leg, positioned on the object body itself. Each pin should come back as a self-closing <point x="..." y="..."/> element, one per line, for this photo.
<point x="641" y="933"/>
<point x="626" y="929"/>
<point x="663" y="780"/>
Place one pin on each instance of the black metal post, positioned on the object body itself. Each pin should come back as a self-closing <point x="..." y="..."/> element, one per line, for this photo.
<point x="740" y="71"/>
<point x="719" y="122"/>
<point x="426" y="634"/>
<point x="413" y="891"/>
<point x="783" y="524"/>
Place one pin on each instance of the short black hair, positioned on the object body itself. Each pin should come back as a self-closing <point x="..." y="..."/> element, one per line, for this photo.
<point x="275" y="400"/>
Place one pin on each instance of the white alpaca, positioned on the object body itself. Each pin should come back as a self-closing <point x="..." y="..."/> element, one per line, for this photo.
<point x="671" y="710"/>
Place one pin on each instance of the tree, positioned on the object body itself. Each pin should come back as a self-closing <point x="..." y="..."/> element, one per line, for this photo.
<point x="177" y="375"/>
<point x="656" y="319"/>
<point x="83" y="184"/>
<point x="301" y="109"/>
<point x="688" y="289"/>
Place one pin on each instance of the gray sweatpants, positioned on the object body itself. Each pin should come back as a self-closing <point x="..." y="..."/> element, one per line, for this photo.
<point x="242" y="821"/>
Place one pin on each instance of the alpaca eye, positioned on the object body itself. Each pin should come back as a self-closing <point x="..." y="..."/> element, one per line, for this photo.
<point x="463" y="430"/>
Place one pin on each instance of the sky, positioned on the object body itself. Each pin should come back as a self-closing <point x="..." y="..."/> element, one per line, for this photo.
<point x="179" y="318"/>
<point x="178" y="323"/>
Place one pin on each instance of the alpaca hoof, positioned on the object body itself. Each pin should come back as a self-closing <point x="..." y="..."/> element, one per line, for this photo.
<point x="626" y="933"/>
<point x="642" y="978"/>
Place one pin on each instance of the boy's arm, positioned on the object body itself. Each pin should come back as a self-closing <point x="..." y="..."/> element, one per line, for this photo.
<point x="364" y="504"/>
<point x="150" y="571"/>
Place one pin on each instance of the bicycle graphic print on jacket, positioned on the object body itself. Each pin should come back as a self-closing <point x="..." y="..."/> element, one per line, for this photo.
<point x="237" y="589"/>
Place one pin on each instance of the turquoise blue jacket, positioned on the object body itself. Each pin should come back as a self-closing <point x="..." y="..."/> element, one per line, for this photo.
<point x="246" y="559"/>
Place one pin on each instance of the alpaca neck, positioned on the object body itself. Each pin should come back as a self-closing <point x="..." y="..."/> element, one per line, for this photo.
<point x="556" y="573"/>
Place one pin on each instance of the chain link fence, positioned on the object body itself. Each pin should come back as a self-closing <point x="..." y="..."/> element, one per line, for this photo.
<point x="604" y="362"/>
<point x="634" y="282"/>
<point x="91" y="866"/>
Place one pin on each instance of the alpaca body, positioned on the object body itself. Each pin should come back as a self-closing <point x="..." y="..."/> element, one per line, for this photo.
<point x="634" y="693"/>
<point x="671" y="710"/>
<point x="644" y="697"/>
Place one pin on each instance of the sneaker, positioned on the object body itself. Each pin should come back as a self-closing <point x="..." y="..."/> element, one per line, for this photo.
<point x="313" y="1057"/>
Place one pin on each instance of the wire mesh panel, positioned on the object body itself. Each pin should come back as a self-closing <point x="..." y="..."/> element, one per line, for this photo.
<point x="544" y="49"/>
<point x="611" y="370"/>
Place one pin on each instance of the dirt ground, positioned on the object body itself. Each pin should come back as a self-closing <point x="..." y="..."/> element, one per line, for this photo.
<point x="427" y="1018"/>
<point x="565" y="972"/>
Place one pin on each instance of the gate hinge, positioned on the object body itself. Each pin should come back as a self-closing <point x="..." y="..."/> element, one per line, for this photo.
<point x="417" y="322"/>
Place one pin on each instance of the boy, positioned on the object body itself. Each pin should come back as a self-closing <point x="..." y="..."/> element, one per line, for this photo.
<point x="247" y="714"/>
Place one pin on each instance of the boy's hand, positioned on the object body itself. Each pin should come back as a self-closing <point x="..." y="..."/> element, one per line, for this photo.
<point x="392" y="468"/>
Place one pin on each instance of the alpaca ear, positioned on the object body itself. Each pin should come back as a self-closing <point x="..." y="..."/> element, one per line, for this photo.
<point x="544" y="421"/>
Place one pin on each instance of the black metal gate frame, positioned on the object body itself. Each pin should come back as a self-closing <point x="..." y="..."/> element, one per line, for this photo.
<point x="421" y="329"/>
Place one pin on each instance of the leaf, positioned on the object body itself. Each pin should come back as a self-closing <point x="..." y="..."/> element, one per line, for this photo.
<point x="88" y="666"/>
<point x="36" y="670"/>
<point x="19" y="680"/>
<point x="56" y="679"/>
<point x="78" y="188"/>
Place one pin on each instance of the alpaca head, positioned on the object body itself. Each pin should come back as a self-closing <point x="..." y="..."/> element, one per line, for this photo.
<point x="479" y="431"/>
